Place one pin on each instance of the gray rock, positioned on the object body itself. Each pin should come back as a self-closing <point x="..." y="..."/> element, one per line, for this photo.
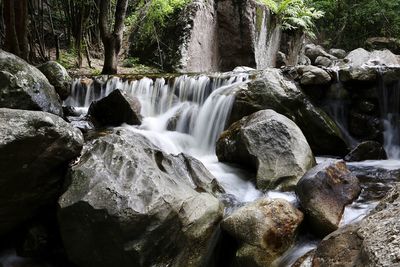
<point x="311" y="75"/>
<point x="313" y="51"/>
<point x="271" y="90"/>
<point x="58" y="77"/>
<point x="324" y="191"/>
<point x="323" y="61"/>
<point x="371" y="242"/>
<point x="115" y="109"/>
<point x="339" y="53"/>
<point x="360" y="57"/>
<point x="23" y="86"/>
<point x="270" y="144"/>
<point x="265" y="229"/>
<point x="380" y="43"/>
<point x="358" y="74"/>
<point x="130" y="204"/>
<point x="35" y="150"/>
<point x="368" y="150"/>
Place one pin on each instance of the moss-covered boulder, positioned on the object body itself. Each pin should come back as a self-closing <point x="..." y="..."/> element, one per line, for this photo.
<point x="22" y="86"/>
<point x="58" y="77"/>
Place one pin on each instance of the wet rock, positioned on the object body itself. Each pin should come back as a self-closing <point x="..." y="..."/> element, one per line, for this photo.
<point x="358" y="74"/>
<point x="130" y="204"/>
<point x="367" y="150"/>
<point x="324" y="191"/>
<point x="115" y="109"/>
<point x="311" y="75"/>
<point x="35" y="150"/>
<point x="23" y="86"/>
<point x="313" y="51"/>
<point x="339" y="53"/>
<point x="58" y="77"/>
<point x="371" y="242"/>
<point x="271" y="90"/>
<point x="265" y="229"/>
<point x="323" y="61"/>
<point x="271" y="145"/>
<point x="364" y="127"/>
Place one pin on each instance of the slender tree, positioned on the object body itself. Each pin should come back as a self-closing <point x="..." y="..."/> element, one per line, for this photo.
<point x="16" y="24"/>
<point x="111" y="39"/>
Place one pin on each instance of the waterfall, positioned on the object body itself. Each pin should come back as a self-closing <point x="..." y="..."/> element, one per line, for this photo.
<point x="182" y="114"/>
<point x="337" y="107"/>
<point x="389" y="97"/>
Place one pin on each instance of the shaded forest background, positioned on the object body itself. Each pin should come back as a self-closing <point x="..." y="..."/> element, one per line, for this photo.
<point x="71" y="31"/>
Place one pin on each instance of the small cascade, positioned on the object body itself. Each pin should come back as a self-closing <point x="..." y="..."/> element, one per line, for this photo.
<point x="182" y="114"/>
<point x="337" y="107"/>
<point x="390" y="114"/>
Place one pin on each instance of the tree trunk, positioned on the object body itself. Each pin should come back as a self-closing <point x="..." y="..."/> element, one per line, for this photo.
<point x="111" y="40"/>
<point x="11" y="38"/>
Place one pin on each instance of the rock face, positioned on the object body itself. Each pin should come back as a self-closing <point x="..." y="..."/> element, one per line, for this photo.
<point x="23" y="86"/>
<point x="270" y="144"/>
<point x="365" y="151"/>
<point x="265" y="229"/>
<point x="372" y="242"/>
<point x="271" y="90"/>
<point x="58" y="77"/>
<point x="115" y="109"/>
<point x="324" y="191"/>
<point x="216" y="36"/>
<point x="35" y="150"/>
<point x="379" y="43"/>
<point x="129" y="204"/>
<point x="311" y="75"/>
<point x="313" y="51"/>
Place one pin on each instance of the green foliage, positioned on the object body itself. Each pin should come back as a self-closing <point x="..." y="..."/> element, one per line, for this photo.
<point x="156" y="13"/>
<point x="294" y="14"/>
<point x="68" y="59"/>
<point x="130" y="62"/>
<point x="348" y="23"/>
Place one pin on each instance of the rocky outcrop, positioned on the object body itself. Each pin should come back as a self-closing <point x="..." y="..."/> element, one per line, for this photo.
<point x="23" y="86"/>
<point x="130" y="204"/>
<point x="115" y="109"/>
<point x="367" y="150"/>
<point x="313" y="51"/>
<point x="265" y="229"/>
<point x="271" y="145"/>
<point x="371" y="242"/>
<point x="58" y="77"/>
<point x="35" y="150"/>
<point x="311" y="75"/>
<point x="271" y="90"/>
<point x="380" y="43"/>
<point x="324" y="191"/>
<point x="216" y="36"/>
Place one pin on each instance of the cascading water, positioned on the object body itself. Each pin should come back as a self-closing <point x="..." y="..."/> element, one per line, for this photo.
<point x="337" y="107"/>
<point x="390" y="113"/>
<point x="182" y="114"/>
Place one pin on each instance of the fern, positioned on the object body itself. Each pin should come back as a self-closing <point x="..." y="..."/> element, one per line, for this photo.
<point x="294" y="14"/>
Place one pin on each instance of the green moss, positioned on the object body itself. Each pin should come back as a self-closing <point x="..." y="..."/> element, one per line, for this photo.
<point x="68" y="59"/>
<point x="259" y="18"/>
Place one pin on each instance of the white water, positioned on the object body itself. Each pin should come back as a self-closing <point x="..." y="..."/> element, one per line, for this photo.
<point x="390" y="112"/>
<point x="199" y="106"/>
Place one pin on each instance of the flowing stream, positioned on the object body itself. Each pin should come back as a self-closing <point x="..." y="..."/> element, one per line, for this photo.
<point x="187" y="114"/>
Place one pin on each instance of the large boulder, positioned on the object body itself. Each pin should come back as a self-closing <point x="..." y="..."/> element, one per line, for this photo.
<point x="23" y="86"/>
<point x="379" y="43"/>
<point x="313" y="51"/>
<point x="58" y="77"/>
<point x="115" y="109"/>
<point x="271" y="90"/>
<point x="324" y="191"/>
<point x="130" y="204"/>
<point x="311" y="75"/>
<point x="339" y="53"/>
<point x="371" y="242"/>
<point x="264" y="229"/>
<point x="272" y="145"/>
<point x="35" y="150"/>
<point x="367" y="150"/>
